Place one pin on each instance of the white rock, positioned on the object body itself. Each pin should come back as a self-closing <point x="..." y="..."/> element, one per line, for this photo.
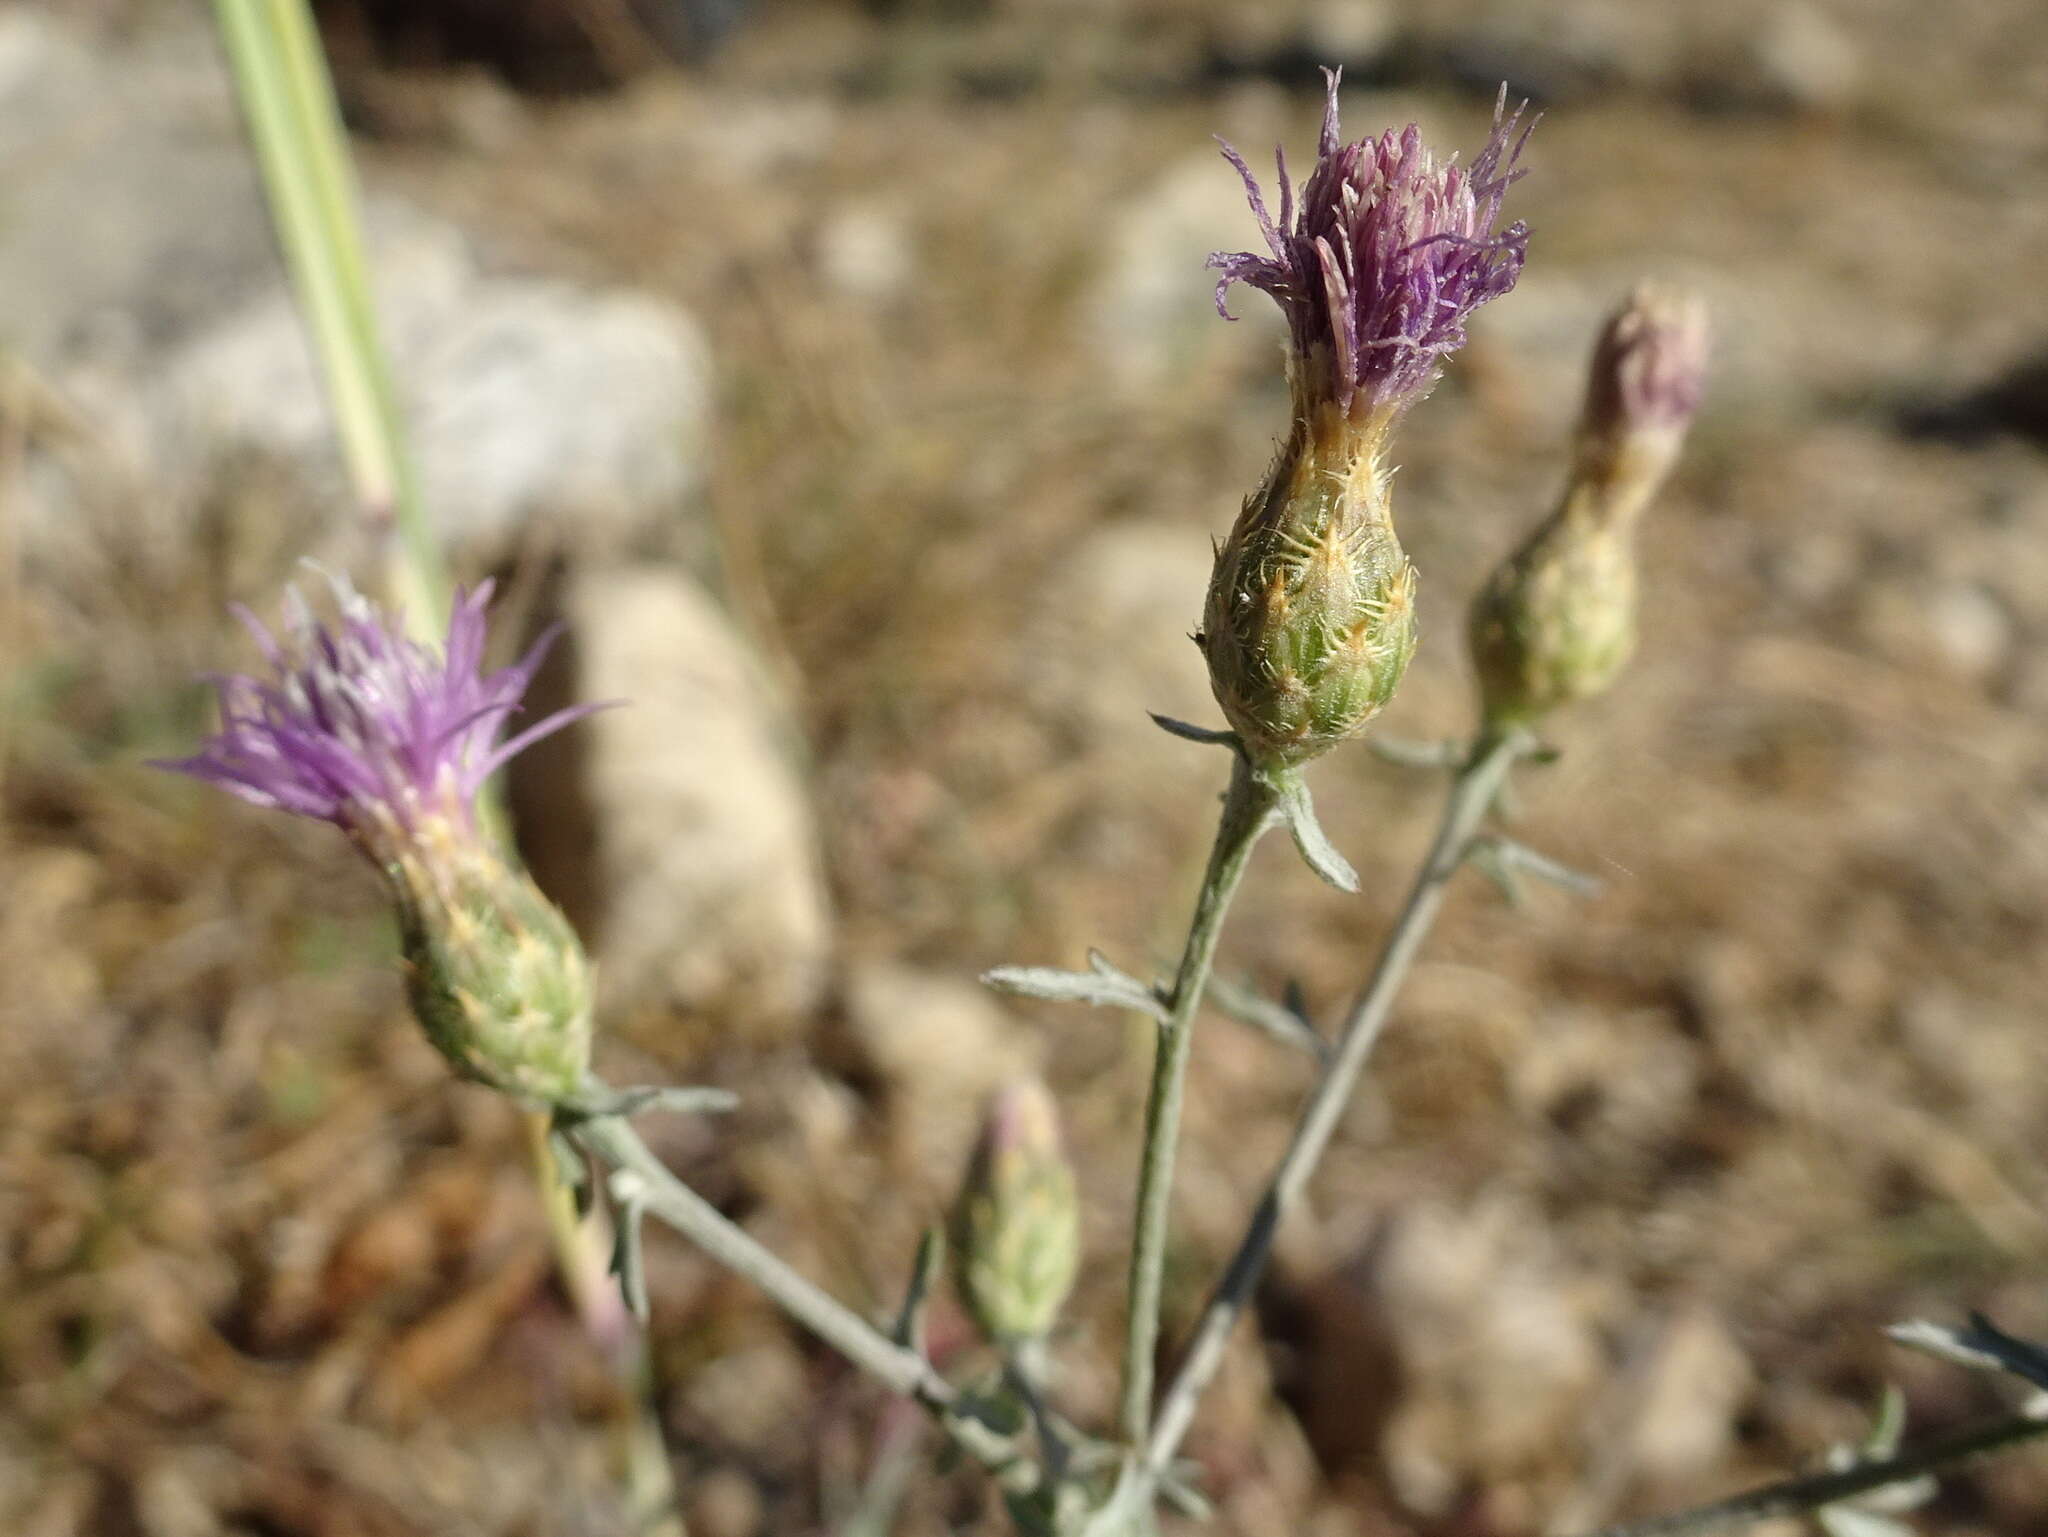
<point x="140" y="281"/>
<point x="536" y="409"/>
<point x="865" y="253"/>
<point x="1804" y="58"/>
<point x="705" y="863"/>
<point x="1355" y="31"/>
<point x="129" y="187"/>
<point x="1972" y="629"/>
<point x="1129" y="593"/>
<point x="1696" y="1385"/>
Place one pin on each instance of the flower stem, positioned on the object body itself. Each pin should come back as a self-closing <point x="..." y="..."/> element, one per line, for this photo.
<point x="616" y="1145"/>
<point x="580" y="1253"/>
<point x="1249" y="808"/>
<point x="1472" y="795"/>
<point x="1796" y="1496"/>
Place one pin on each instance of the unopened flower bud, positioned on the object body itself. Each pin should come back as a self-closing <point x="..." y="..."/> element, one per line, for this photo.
<point x="1648" y="372"/>
<point x="1556" y="622"/>
<point x="389" y="740"/>
<point x="1377" y="264"/>
<point x="1016" y="1226"/>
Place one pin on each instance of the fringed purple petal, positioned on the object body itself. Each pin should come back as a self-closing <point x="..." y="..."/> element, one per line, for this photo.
<point x="1385" y="255"/>
<point x="363" y="727"/>
<point x="545" y="727"/>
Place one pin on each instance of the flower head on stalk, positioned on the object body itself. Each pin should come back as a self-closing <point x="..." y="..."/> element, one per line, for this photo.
<point x="391" y="741"/>
<point x="1382" y="259"/>
<point x="1556" y="622"/>
<point x="1377" y="262"/>
<point x="361" y="726"/>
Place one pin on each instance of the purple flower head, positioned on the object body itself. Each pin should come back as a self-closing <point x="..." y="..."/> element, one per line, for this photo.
<point x="361" y="726"/>
<point x="1383" y="257"/>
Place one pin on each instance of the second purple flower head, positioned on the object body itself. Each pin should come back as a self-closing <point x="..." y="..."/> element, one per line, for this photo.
<point x="359" y="725"/>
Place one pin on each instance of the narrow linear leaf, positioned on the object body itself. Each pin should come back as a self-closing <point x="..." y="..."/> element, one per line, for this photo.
<point x="1206" y="735"/>
<point x="1090" y="987"/>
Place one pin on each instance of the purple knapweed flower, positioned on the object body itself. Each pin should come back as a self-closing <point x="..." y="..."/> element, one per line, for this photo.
<point x="391" y="741"/>
<point x="1382" y="259"/>
<point x="361" y="726"/>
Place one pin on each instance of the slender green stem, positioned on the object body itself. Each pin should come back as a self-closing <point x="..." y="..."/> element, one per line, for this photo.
<point x="1472" y="795"/>
<point x="281" y="77"/>
<point x="581" y="1260"/>
<point x="617" y="1146"/>
<point x="1249" y="808"/>
<point x="1796" y="1496"/>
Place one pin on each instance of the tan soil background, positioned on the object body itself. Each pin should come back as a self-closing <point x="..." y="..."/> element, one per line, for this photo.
<point x="1636" y="1180"/>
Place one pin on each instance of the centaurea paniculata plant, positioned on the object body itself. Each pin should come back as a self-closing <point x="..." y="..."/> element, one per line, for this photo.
<point x="1378" y="261"/>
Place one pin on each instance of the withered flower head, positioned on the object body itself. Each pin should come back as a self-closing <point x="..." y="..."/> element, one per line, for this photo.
<point x="1383" y="258"/>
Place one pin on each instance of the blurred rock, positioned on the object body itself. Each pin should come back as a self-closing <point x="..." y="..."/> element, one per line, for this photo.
<point x="1801" y="58"/>
<point x="1493" y="1340"/>
<point x="940" y="1046"/>
<point x="1285" y="41"/>
<point x="749" y="1394"/>
<point x="674" y="828"/>
<point x="1570" y="51"/>
<point x="142" y="284"/>
<point x="864" y="252"/>
<point x="131" y="202"/>
<point x="1128" y="594"/>
<point x="1972" y="629"/>
<point x="537" y="410"/>
<point x="1152" y="315"/>
<point x="725" y="1503"/>
<point x="1105" y="642"/>
<point x="1353" y="33"/>
<point x="1698" y="1379"/>
<point x="181" y="1492"/>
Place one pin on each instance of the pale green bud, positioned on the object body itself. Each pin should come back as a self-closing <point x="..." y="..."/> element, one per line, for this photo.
<point x="1016" y="1226"/>
<point x="1557" y="621"/>
<point x="1310" y="619"/>
<point x="496" y="976"/>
